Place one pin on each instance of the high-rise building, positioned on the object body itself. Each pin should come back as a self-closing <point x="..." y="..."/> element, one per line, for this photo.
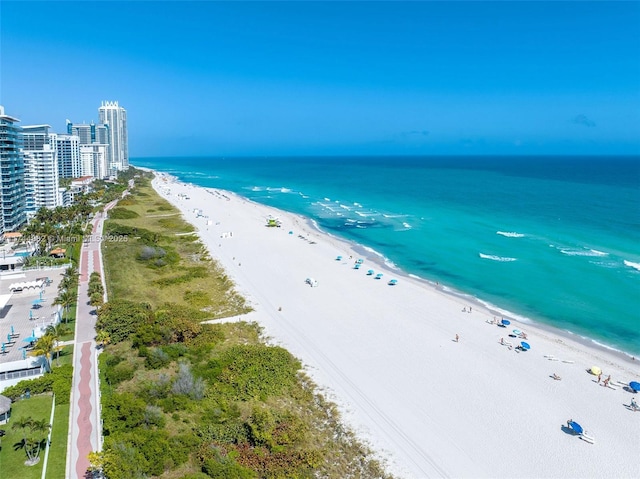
<point x="41" y="169"/>
<point x="89" y="133"/>
<point x="12" y="213"/>
<point x="68" y="149"/>
<point x="93" y="159"/>
<point x="115" y="117"/>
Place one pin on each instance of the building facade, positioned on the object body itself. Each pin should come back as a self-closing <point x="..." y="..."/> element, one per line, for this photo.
<point x="115" y="117"/>
<point x="68" y="150"/>
<point x="41" y="178"/>
<point x="12" y="201"/>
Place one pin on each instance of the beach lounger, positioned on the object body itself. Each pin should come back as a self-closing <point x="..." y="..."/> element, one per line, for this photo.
<point x="552" y="358"/>
<point x="568" y="361"/>
<point x="585" y="436"/>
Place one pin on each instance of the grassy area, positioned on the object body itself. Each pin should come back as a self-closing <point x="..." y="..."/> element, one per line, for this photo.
<point x="58" y="453"/>
<point x="12" y="457"/>
<point x="158" y="263"/>
<point x="65" y="356"/>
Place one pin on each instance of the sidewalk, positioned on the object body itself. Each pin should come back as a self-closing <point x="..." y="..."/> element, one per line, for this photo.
<point x="85" y="429"/>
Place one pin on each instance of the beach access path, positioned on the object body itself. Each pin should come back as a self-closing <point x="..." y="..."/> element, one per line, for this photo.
<point x="85" y="426"/>
<point x="429" y="405"/>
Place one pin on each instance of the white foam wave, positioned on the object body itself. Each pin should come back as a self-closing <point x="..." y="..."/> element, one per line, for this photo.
<point x="510" y="234"/>
<point x="582" y="252"/>
<point x="632" y="264"/>
<point x="496" y="258"/>
<point x="406" y="225"/>
<point x="345" y="207"/>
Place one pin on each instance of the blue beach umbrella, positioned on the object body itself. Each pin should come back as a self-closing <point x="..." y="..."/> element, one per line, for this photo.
<point x="30" y="314"/>
<point x="370" y="272"/>
<point x="24" y="353"/>
<point x="517" y="332"/>
<point x="30" y="339"/>
<point x="8" y="338"/>
<point x="4" y="347"/>
<point x="506" y="322"/>
<point x="360" y="261"/>
<point x="635" y="385"/>
<point x="393" y="282"/>
<point x="576" y="427"/>
<point x="357" y="266"/>
<point x="12" y="331"/>
<point x="525" y="345"/>
<point x="338" y="258"/>
<point x="379" y="275"/>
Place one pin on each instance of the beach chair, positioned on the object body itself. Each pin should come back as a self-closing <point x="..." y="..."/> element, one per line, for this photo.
<point x="587" y="437"/>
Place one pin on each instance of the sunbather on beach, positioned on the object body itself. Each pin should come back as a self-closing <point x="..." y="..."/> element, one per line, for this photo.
<point x="634" y="405"/>
<point x="556" y="377"/>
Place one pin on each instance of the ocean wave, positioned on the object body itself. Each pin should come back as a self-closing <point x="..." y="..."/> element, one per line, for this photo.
<point x="510" y="234"/>
<point x="496" y="258"/>
<point x="582" y="252"/>
<point x="632" y="264"/>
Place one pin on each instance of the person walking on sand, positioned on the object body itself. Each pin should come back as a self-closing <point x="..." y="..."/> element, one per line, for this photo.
<point x="599" y="376"/>
<point x="606" y="381"/>
<point x="457" y="338"/>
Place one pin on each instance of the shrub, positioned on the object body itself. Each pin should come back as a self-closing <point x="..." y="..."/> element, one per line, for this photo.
<point x="122" y="319"/>
<point x="186" y="384"/>
<point x="157" y="358"/>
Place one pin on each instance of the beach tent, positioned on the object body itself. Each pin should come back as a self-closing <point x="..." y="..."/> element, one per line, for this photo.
<point x="635" y="385"/>
<point x="577" y="428"/>
<point x="595" y="370"/>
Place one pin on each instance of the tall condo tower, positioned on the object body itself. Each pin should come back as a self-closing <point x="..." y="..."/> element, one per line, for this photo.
<point x="12" y="198"/>
<point x="41" y="168"/>
<point x="115" y="117"/>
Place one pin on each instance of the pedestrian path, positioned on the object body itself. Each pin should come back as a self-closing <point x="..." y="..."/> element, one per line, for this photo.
<point x="85" y="431"/>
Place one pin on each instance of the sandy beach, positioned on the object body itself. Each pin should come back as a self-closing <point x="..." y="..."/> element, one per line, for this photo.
<point x="429" y="405"/>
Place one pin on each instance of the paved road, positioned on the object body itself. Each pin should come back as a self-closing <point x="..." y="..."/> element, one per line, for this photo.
<point x="85" y="429"/>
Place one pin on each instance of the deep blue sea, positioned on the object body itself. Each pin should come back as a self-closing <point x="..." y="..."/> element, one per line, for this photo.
<point x="552" y="239"/>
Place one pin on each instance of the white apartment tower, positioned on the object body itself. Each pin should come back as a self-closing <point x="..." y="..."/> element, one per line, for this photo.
<point x="68" y="149"/>
<point x="115" y="117"/>
<point x="41" y="178"/>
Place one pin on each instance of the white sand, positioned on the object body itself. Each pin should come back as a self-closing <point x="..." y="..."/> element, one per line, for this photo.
<point x="430" y="406"/>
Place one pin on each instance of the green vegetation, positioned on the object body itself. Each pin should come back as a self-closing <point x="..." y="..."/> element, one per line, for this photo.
<point x="187" y="399"/>
<point x="58" y="452"/>
<point x="24" y="437"/>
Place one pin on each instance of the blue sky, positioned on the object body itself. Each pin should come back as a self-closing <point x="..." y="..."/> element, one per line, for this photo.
<point x="288" y="78"/>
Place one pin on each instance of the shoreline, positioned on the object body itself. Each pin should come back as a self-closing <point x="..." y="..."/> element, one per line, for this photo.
<point x="477" y="303"/>
<point x="388" y="358"/>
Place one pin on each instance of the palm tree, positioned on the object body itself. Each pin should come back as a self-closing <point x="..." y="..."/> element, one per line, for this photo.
<point x="33" y="435"/>
<point x="103" y="337"/>
<point x="45" y="346"/>
<point x="66" y="299"/>
<point x="57" y="332"/>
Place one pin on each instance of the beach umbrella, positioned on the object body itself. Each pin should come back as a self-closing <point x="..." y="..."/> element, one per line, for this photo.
<point x="8" y="337"/>
<point x="506" y="322"/>
<point x="30" y="339"/>
<point x="576" y="427"/>
<point x="595" y="370"/>
<point x="12" y="331"/>
<point x="635" y="385"/>
<point x="392" y="282"/>
<point x="517" y="332"/>
<point x="30" y="314"/>
<point x="24" y="353"/>
<point x="379" y="275"/>
<point x="525" y="346"/>
<point x="370" y="271"/>
<point x="4" y="347"/>
<point x="360" y="261"/>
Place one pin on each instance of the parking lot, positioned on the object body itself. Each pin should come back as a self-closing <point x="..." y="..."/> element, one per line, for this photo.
<point x="26" y="311"/>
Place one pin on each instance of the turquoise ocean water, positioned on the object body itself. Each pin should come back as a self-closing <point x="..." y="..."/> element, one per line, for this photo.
<point x="552" y="239"/>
